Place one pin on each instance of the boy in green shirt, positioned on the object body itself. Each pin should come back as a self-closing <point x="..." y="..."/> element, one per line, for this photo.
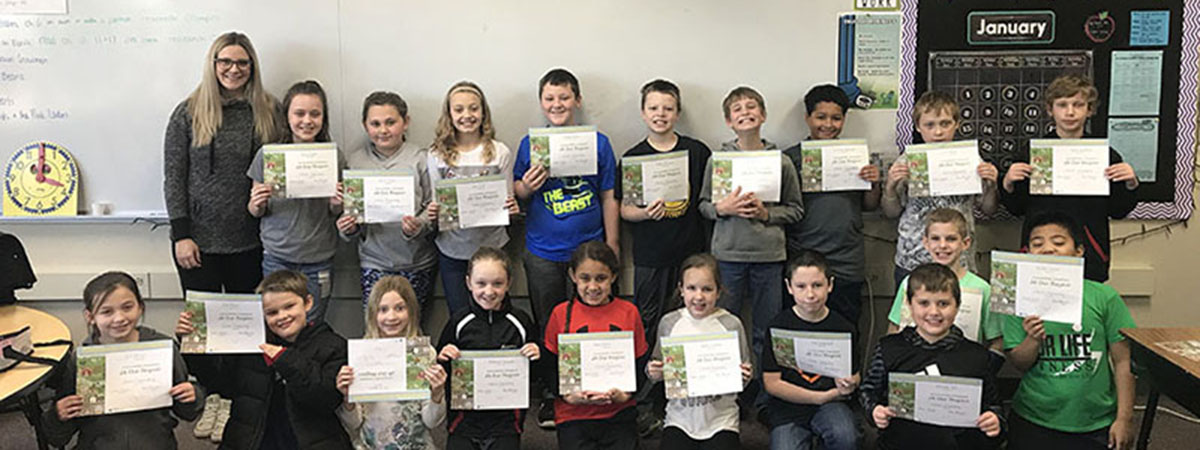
<point x="1077" y="391"/>
<point x="947" y="236"/>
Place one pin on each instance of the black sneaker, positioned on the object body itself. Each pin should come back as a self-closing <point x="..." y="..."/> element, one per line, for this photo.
<point x="648" y="423"/>
<point x="545" y="416"/>
<point x="762" y="417"/>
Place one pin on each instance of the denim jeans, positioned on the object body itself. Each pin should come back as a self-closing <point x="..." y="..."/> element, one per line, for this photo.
<point x="833" y="422"/>
<point x="762" y="285"/>
<point x="899" y="274"/>
<point x="454" y="275"/>
<point x="320" y="281"/>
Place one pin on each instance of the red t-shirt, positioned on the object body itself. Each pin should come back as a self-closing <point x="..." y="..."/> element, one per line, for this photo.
<point x="617" y="315"/>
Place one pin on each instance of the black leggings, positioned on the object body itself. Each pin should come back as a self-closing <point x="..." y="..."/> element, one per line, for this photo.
<point x="510" y="442"/>
<point x="618" y="432"/>
<point x="675" y="439"/>
<point x="223" y="272"/>
<point x="1023" y="434"/>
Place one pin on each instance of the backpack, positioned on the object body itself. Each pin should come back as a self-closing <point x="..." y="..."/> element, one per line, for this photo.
<point x="15" y="271"/>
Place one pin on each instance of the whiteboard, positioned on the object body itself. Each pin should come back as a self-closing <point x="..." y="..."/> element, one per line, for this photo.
<point x="106" y="76"/>
<point x="102" y="80"/>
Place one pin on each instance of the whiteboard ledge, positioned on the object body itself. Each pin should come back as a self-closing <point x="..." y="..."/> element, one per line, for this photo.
<point x="147" y="217"/>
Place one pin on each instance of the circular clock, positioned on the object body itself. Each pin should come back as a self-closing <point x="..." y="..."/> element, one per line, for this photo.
<point x="41" y="179"/>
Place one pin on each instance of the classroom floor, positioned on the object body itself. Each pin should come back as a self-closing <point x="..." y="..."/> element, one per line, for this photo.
<point x="1170" y="432"/>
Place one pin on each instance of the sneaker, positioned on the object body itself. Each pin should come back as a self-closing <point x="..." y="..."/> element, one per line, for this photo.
<point x="546" y="414"/>
<point x="763" y="418"/>
<point x="204" y="425"/>
<point x="648" y="423"/>
<point x="222" y="417"/>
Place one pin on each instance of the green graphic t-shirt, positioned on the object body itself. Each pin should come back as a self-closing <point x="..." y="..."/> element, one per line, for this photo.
<point x="1070" y="388"/>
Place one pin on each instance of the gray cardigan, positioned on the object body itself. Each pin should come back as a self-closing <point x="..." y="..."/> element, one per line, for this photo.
<point x="205" y="188"/>
<point x="736" y="239"/>
<point x="153" y="428"/>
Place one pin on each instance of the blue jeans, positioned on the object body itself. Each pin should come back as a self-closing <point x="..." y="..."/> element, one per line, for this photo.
<point x="762" y="284"/>
<point x="320" y="281"/>
<point x="454" y="276"/>
<point x="833" y="422"/>
<point x="899" y="274"/>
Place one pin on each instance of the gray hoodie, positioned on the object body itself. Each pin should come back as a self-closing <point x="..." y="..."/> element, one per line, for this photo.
<point x="736" y="239"/>
<point x="153" y="428"/>
<point x="384" y="246"/>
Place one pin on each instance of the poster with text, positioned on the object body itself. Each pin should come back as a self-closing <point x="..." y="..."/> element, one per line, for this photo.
<point x="869" y="59"/>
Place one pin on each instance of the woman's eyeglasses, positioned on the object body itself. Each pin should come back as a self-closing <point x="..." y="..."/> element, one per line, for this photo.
<point x="225" y="63"/>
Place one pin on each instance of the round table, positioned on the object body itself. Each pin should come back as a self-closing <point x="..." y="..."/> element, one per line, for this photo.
<point x="19" y="384"/>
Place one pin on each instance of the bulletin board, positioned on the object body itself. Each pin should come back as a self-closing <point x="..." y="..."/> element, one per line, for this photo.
<point x="997" y="59"/>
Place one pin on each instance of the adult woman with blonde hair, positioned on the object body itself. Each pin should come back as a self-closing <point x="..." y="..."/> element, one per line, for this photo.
<point x="211" y="138"/>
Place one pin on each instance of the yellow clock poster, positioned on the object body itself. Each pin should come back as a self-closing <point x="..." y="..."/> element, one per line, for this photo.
<point x="41" y="179"/>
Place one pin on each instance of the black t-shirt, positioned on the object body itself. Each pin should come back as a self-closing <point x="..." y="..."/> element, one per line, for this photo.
<point x="683" y="231"/>
<point x="1092" y="212"/>
<point x="782" y="411"/>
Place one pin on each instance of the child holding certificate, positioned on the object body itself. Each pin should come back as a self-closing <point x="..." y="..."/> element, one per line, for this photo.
<point x="748" y="237"/>
<point x="947" y="237"/>
<point x="113" y="307"/>
<point x="404" y="424"/>
<point x="599" y="419"/>
<point x="664" y="231"/>
<point x="832" y="223"/>
<point x="286" y="396"/>
<point x="1071" y="100"/>
<point x="562" y="212"/>
<point x="709" y="421"/>
<point x="936" y="117"/>
<point x="299" y="233"/>
<point x="804" y="404"/>
<point x="466" y="147"/>
<point x="490" y="323"/>
<point x="402" y="248"/>
<point x="934" y="347"/>
<point x="1077" y="391"/>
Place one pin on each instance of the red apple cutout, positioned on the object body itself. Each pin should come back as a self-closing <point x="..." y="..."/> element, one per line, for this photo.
<point x="1100" y="27"/>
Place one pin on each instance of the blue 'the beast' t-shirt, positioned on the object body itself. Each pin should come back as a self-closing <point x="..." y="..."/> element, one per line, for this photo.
<point x="566" y="211"/>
